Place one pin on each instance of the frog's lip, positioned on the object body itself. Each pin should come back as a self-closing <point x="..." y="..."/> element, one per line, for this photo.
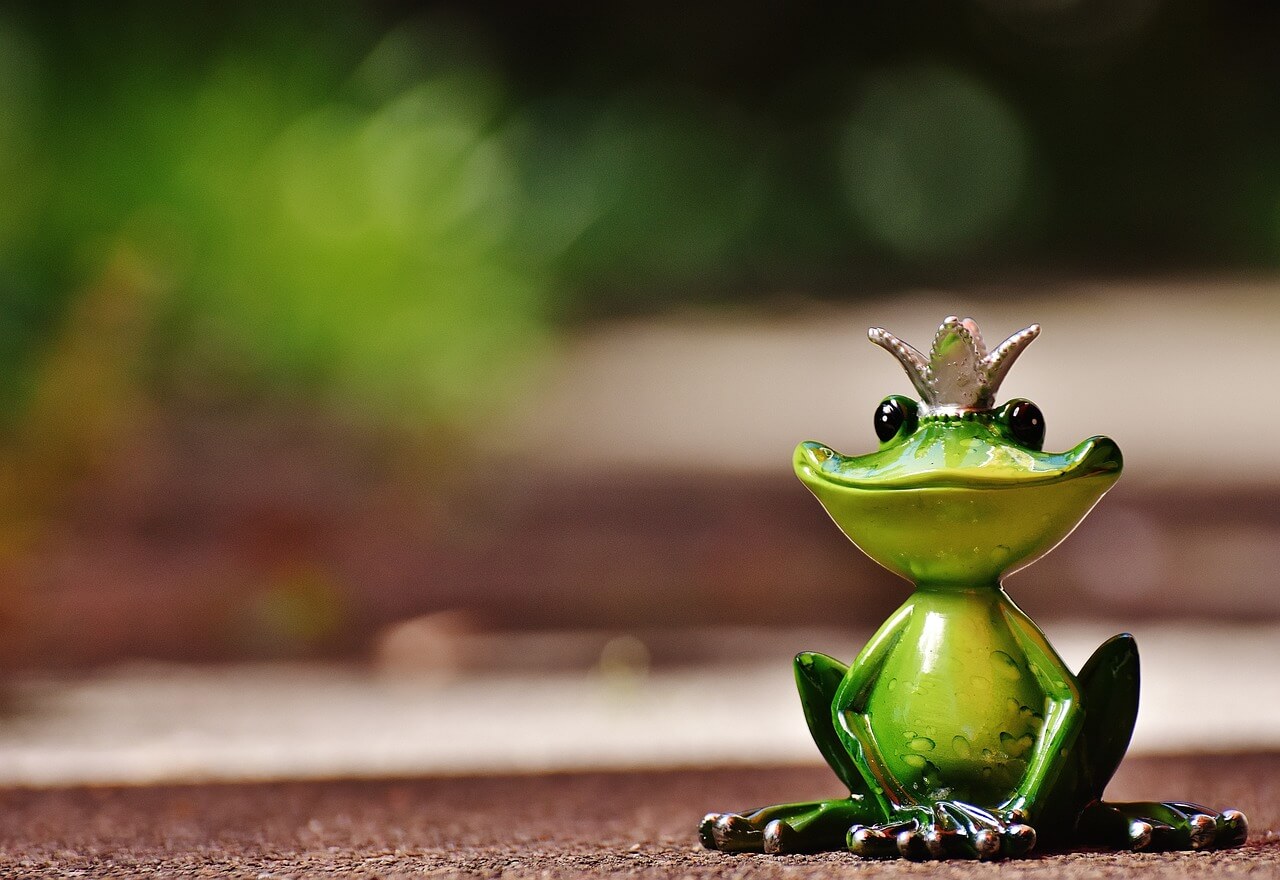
<point x="1097" y="456"/>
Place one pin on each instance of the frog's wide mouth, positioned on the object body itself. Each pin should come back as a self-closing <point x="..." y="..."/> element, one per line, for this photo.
<point x="937" y="462"/>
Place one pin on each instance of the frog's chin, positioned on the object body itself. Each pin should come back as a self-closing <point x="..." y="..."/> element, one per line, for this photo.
<point x="961" y="527"/>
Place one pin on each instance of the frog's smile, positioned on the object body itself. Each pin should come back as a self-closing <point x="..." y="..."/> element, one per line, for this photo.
<point x="955" y="455"/>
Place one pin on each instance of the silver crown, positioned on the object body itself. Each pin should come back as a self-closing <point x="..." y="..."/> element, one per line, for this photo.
<point x="959" y="373"/>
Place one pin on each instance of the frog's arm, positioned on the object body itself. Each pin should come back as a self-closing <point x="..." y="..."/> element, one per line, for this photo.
<point x="1063" y="717"/>
<point x="849" y="711"/>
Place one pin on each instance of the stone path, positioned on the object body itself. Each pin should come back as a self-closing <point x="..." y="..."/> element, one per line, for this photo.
<point x="636" y="824"/>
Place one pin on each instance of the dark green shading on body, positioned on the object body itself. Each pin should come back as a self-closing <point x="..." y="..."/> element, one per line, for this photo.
<point x="958" y="730"/>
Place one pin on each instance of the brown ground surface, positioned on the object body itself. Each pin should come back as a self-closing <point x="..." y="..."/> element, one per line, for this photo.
<point x="637" y="824"/>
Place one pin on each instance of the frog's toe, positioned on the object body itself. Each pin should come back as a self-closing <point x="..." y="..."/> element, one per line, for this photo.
<point x="986" y="843"/>
<point x="912" y="844"/>
<point x="946" y="840"/>
<point x="1019" y="839"/>
<point x="729" y="832"/>
<point x="879" y="841"/>
<point x="936" y="839"/>
<point x="706" y="830"/>
<point x="780" y="837"/>
<point x="1233" y="829"/>
<point x="1224" y="830"/>
<point x="1203" y="830"/>
<point x="870" y="843"/>
<point x="953" y="831"/>
<point x="1140" y="834"/>
<point x="979" y="834"/>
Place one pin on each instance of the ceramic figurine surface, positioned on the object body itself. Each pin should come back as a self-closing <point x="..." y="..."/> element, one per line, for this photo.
<point x="958" y="730"/>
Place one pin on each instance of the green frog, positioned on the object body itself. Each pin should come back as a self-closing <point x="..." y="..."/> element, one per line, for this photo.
<point x="958" y="730"/>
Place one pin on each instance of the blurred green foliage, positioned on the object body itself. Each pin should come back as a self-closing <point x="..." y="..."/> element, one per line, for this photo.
<point x="382" y="213"/>
<point x="393" y="204"/>
<point x="340" y="221"/>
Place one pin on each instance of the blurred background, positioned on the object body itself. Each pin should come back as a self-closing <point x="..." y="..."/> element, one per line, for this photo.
<point x="412" y="361"/>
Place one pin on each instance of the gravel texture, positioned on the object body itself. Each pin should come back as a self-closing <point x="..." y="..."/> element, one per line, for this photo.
<point x="637" y="824"/>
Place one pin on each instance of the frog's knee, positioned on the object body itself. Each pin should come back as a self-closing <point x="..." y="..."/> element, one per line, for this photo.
<point x="819" y="666"/>
<point x="818" y="673"/>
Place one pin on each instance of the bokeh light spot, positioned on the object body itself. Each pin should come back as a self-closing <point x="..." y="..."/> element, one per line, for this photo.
<point x="934" y="161"/>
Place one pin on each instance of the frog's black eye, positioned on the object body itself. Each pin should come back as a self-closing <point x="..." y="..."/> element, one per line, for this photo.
<point x="892" y="414"/>
<point x="1026" y="423"/>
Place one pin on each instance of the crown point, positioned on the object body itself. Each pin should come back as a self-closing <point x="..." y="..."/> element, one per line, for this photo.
<point x="959" y="373"/>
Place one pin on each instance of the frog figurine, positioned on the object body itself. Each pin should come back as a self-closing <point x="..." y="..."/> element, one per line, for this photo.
<point x="958" y="730"/>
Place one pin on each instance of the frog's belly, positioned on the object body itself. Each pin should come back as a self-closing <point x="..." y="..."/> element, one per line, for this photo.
<point x="962" y="725"/>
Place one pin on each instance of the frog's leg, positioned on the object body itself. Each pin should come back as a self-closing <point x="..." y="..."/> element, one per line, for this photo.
<point x="1109" y="682"/>
<point x="812" y="826"/>
<point x="1109" y="688"/>
<point x="818" y="679"/>
<point x="1155" y="825"/>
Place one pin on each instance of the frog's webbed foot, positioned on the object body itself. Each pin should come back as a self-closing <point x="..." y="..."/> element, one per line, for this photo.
<point x="814" y="826"/>
<point x="947" y="830"/>
<point x="1155" y="826"/>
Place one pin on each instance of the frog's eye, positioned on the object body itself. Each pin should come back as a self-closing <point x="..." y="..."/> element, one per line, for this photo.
<point x="1026" y="423"/>
<point x="892" y="415"/>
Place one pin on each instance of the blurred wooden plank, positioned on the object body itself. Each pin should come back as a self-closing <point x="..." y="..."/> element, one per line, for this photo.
<point x="1204" y="688"/>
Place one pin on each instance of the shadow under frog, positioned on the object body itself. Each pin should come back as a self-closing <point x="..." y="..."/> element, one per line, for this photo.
<point x="958" y="730"/>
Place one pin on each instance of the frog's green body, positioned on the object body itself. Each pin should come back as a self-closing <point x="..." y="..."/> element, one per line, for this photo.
<point x="958" y="729"/>
<point x="964" y="726"/>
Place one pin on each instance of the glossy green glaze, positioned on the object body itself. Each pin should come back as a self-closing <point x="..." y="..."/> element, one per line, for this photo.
<point x="958" y="729"/>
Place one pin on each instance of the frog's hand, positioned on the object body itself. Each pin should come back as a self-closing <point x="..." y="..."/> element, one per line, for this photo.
<point x="818" y="680"/>
<point x="849" y="712"/>
<point x="944" y="830"/>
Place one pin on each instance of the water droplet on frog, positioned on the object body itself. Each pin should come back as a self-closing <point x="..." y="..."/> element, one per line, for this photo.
<point x="961" y="747"/>
<point x="1006" y="666"/>
<point x="1000" y="554"/>
<point x="922" y="744"/>
<point x="916" y="761"/>
<point x="1015" y="745"/>
<point x="1013" y="707"/>
<point x="986" y="771"/>
<point x="893" y="683"/>
<point x="932" y="775"/>
<point x="987" y="754"/>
